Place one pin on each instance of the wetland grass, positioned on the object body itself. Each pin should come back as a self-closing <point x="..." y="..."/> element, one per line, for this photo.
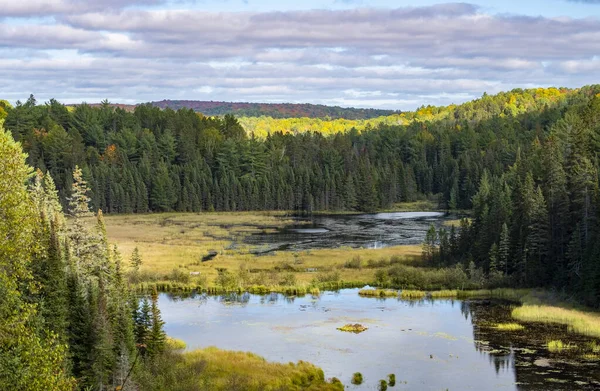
<point x="412" y="294"/>
<point x="378" y="293"/>
<point x="444" y="294"/>
<point x="227" y="370"/>
<point x="580" y="322"/>
<point x="558" y="346"/>
<point x="509" y="327"/>
<point x="355" y="328"/>
<point x="357" y="378"/>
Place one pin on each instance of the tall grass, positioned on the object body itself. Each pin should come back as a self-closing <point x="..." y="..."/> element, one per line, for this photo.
<point x="378" y="293"/>
<point x="509" y="327"/>
<point x="412" y="294"/>
<point x="575" y="320"/>
<point x="219" y="370"/>
<point x="558" y="346"/>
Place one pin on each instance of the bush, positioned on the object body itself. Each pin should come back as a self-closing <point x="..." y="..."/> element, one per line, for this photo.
<point x="327" y="277"/>
<point x="383" y="385"/>
<point x="178" y="275"/>
<point x="288" y="279"/>
<point x="354" y="263"/>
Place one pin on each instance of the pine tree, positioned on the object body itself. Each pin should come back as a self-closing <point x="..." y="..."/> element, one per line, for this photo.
<point x="136" y="260"/>
<point x="156" y="335"/>
<point x="28" y="361"/>
<point x="504" y="250"/>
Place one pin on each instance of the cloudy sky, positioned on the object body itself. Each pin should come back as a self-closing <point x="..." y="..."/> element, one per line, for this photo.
<point x="384" y="54"/>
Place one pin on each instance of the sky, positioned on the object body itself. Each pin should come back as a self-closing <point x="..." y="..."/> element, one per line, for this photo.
<point x="352" y="53"/>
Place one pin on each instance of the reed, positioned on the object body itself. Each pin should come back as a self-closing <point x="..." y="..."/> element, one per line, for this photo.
<point x="412" y="294"/>
<point x="378" y="293"/>
<point x="575" y="320"/>
<point x="558" y="346"/>
<point x="509" y="327"/>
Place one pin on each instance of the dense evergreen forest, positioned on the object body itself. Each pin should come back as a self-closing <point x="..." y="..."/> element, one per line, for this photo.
<point x="526" y="163"/>
<point x="67" y="316"/>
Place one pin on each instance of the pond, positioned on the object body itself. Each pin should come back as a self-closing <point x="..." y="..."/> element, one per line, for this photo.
<point x="365" y="230"/>
<point x="428" y="345"/>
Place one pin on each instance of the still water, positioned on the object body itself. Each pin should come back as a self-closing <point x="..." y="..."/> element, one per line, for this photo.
<point x="366" y="230"/>
<point x="428" y="345"/>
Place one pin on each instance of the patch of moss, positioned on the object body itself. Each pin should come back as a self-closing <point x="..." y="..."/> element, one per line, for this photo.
<point x="355" y="328"/>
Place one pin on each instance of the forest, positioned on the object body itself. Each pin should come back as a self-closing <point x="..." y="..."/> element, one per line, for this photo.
<point x="523" y="165"/>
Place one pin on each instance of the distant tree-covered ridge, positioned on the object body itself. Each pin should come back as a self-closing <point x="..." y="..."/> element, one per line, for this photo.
<point x="274" y="110"/>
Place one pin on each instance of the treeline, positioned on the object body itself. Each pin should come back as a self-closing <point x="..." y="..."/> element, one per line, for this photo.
<point x="504" y="104"/>
<point x="67" y="317"/>
<point x="162" y="160"/>
<point x="274" y="110"/>
<point x="537" y="222"/>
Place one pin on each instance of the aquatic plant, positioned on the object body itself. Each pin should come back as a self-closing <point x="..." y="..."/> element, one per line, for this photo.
<point x="357" y="378"/>
<point x="576" y="321"/>
<point x="391" y="380"/>
<point x="412" y="294"/>
<point x="378" y="293"/>
<point x="355" y="328"/>
<point x="383" y="386"/>
<point x="558" y="346"/>
<point x="443" y="294"/>
<point x="509" y="327"/>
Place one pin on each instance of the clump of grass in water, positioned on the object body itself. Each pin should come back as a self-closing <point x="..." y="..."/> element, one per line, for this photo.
<point x="509" y="327"/>
<point x="383" y="385"/>
<point x="378" y="293"/>
<point x="392" y="380"/>
<point x="357" y="378"/>
<point x="558" y="346"/>
<point x="412" y="294"/>
<point x="353" y="328"/>
<point x="444" y="294"/>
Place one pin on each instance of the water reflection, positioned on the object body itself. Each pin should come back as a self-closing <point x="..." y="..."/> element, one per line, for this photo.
<point x="429" y="344"/>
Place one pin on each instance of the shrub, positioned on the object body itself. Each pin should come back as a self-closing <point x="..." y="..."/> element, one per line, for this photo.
<point x="178" y="275"/>
<point x="383" y="385"/>
<point x="354" y="263"/>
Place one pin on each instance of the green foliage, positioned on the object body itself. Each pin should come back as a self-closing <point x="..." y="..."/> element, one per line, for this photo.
<point x="30" y="359"/>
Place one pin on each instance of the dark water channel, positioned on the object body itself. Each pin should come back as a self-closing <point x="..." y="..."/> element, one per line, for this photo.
<point x="367" y="230"/>
<point x="428" y="345"/>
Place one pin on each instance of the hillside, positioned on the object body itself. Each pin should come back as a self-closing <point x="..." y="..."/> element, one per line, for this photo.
<point x="274" y="110"/>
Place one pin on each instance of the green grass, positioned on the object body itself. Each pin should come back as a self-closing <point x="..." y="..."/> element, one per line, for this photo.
<point x="412" y="294"/>
<point x="442" y="294"/>
<point x="509" y="327"/>
<point x="219" y="370"/>
<point x="580" y="322"/>
<point x="558" y="346"/>
<point x="378" y="293"/>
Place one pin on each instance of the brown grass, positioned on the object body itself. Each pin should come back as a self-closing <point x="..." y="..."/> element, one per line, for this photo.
<point x="169" y="241"/>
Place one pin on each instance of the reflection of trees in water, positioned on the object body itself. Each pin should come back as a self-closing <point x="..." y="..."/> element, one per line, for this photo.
<point x="517" y="352"/>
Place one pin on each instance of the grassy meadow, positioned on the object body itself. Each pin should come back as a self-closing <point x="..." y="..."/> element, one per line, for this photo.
<point x="172" y="246"/>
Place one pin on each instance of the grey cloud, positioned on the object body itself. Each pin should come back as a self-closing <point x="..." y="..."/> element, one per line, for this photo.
<point x="45" y="8"/>
<point x="383" y="58"/>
